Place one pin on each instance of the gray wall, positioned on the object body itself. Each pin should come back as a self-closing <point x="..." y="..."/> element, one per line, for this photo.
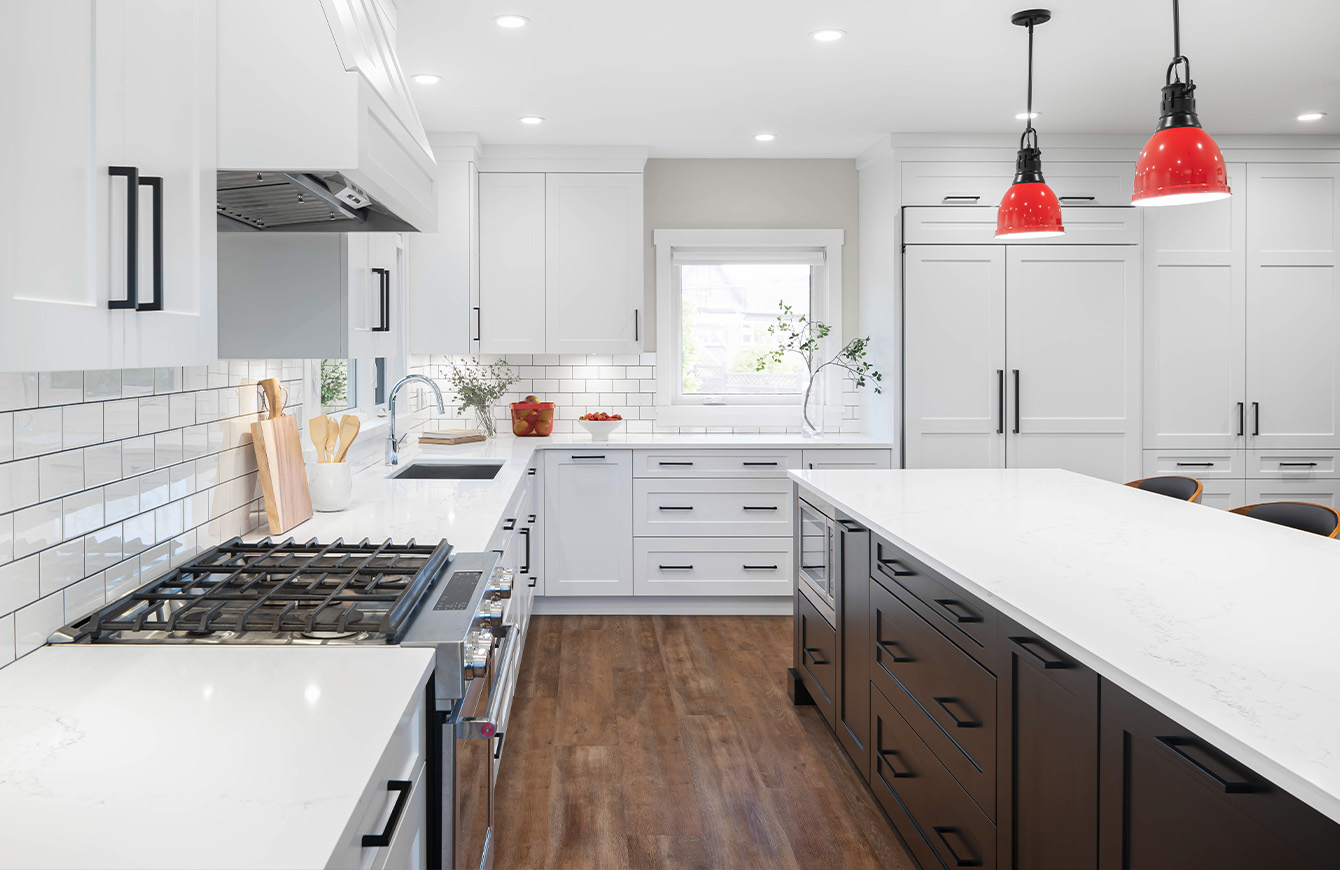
<point x="753" y="194"/>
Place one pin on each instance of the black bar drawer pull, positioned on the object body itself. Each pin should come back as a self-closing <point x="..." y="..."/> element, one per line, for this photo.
<point x="376" y="841"/>
<point x="675" y="567"/>
<point x="750" y="507"/>
<point x="1195" y="465"/>
<point x="525" y="565"/>
<point x="533" y="581"/>
<point x="957" y="610"/>
<point x="1000" y="397"/>
<point x="963" y="856"/>
<point x="637" y="324"/>
<point x="885" y="755"/>
<point x="770" y="464"/>
<point x="849" y="526"/>
<point x="675" y="507"/>
<point x="890" y="645"/>
<point x="759" y="567"/>
<point x="814" y="659"/>
<point x="1211" y="763"/>
<point x="478" y="324"/>
<point x="1017" y="402"/>
<point x="383" y="300"/>
<point x="1077" y="198"/>
<point x="892" y="566"/>
<point x="968" y="721"/>
<point x="1256" y="415"/>
<point x="950" y="200"/>
<point x="599" y="456"/>
<point x="1298" y="465"/>
<point x="132" y="177"/>
<point x="155" y="185"/>
<point x="509" y="524"/>
<point x="1242" y="427"/>
<point x="674" y="463"/>
<point x="1045" y="655"/>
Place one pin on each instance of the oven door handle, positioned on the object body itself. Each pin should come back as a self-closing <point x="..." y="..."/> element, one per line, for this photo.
<point x="494" y="720"/>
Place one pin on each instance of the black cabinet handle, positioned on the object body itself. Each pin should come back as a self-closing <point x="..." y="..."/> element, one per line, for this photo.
<point x="155" y="185"/>
<point x="969" y="721"/>
<point x="1044" y="654"/>
<point x="132" y="176"/>
<point x="533" y="581"/>
<point x="478" y="324"/>
<point x="965" y="858"/>
<point x="958" y="610"/>
<point x="1195" y="465"/>
<point x="1227" y="775"/>
<point x="674" y="507"/>
<point x="597" y="456"/>
<point x="1256" y="415"/>
<point x="883" y="758"/>
<point x="751" y="507"/>
<point x="1016" y="401"/>
<point x="497" y="752"/>
<point x="674" y="463"/>
<point x="509" y="524"/>
<point x="810" y="651"/>
<point x="849" y="526"/>
<point x="759" y="567"/>
<point x="1077" y="198"/>
<point x="1242" y="426"/>
<point x="773" y="464"/>
<point x="384" y="300"/>
<point x="637" y="325"/>
<point x="1000" y="396"/>
<point x="376" y="841"/>
<point x="890" y="645"/>
<point x="675" y="567"/>
<point x="950" y="200"/>
<point x="891" y="566"/>
<point x="525" y="567"/>
<point x="1298" y="465"/>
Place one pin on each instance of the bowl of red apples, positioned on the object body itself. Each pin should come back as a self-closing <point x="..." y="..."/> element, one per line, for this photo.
<point x="600" y="424"/>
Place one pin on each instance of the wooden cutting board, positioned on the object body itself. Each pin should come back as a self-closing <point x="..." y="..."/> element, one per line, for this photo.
<point x="452" y="436"/>
<point x="283" y="475"/>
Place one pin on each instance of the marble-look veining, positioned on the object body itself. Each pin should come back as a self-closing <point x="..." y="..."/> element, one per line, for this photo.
<point x="193" y="757"/>
<point x="1223" y="623"/>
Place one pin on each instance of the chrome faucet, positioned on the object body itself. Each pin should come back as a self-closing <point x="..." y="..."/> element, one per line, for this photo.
<point x="392" y="445"/>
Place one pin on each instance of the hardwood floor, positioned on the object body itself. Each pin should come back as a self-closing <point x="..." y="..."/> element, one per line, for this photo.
<point x="669" y="741"/>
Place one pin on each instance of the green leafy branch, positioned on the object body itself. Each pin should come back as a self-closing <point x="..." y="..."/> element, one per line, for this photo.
<point x="479" y="386"/>
<point x="798" y="334"/>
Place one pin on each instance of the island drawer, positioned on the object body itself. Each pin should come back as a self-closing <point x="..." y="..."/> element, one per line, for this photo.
<point x="712" y="566"/>
<point x="967" y="621"/>
<point x="938" y="820"/>
<point x="712" y="508"/>
<point x="947" y="697"/>
<point x="694" y="462"/>
<point x="816" y="656"/>
<point x="1293" y="464"/>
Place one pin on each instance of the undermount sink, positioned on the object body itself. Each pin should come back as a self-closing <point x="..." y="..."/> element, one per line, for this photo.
<point x="446" y="471"/>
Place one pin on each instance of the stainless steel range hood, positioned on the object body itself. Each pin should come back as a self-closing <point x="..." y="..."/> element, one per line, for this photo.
<point x="299" y="202"/>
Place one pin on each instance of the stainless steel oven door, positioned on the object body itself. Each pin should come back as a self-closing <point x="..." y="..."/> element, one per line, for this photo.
<point x="816" y="557"/>
<point x="467" y="809"/>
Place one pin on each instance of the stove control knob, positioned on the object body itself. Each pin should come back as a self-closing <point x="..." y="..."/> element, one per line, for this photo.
<point x="500" y="584"/>
<point x="478" y="646"/>
<point x="491" y="611"/>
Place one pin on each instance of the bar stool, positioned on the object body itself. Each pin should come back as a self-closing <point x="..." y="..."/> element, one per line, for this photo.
<point x="1173" y="486"/>
<point x="1303" y="515"/>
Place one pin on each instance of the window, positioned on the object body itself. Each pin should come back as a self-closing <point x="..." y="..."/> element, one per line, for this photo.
<point x="718" y="291"/>
<point x="339" y="381"/>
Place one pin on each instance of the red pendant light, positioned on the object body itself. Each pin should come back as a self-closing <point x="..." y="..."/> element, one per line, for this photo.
<point x="1180" y="163"/>
<point x="1029" y="209"/>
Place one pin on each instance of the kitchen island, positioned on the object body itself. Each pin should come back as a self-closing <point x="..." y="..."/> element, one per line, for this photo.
<point x="1218" y="623"/>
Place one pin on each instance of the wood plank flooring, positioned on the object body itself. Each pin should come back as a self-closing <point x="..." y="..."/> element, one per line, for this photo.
<point x="669" y="741"/>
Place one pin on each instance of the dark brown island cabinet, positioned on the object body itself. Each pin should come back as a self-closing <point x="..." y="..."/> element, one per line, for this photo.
<point x="987" y="746"/>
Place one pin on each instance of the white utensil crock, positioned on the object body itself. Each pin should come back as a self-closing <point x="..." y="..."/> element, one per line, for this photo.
<point x="332" y="485"/>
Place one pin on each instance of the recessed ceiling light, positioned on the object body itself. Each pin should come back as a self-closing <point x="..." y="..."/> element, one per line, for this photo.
<point x="426" y="78"/>
<point x="828" y="34"/>
<point x="1024" y="116"/>
<point x="511" y="22"/>
<point x="1312" y="116"/>
<point x="764" y="137"/>
<point x="532" y="120"/>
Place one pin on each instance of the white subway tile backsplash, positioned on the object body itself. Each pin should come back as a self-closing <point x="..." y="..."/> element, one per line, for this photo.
<point x="120" y="419"/>
<point x="60" y="566"/>
<point x="6" y="538"/>
<point x="18" y="584"/>
<point x="102" y="464"/>
<point x="167" y="380"/>
<point x="168" y="521"/>
<point x="37" y="527"/>
<point x="181" y="410"/>
<point x="35" y="623"/>
<point x="18" y="484"/>
<point x="83" y="512"/>
<point x="60" y="473"/>
<point x="102" y="549"/>
<point x="154" y="414"/>
<point x="137" y="455"/>
<point x="101" y="385"/>
<point x="6" y="436"/>
<point x="586" y="371"/>
<point x="571" y="386"/>
<point x="6" y="640"/>
<point x="18" y="390"/>
<point x="137" y="382"/>
<point x="121" y="500"/>
<point x="207" y="406"/>
<point x="60" y="388"/>
<point x="37" y="431"/>
<point x="154" y="490"/>
<point x="181" y="480"/>
<point x="155" y="562"/>
<point x="85" y="595"/>
<point x="81" y="425"/>
<point x="197" y="377"/>
<point x="167" y="448"/>
<point x="122" y="578"/>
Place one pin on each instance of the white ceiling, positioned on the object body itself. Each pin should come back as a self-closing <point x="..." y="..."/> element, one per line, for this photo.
<point x="698" y="78"/>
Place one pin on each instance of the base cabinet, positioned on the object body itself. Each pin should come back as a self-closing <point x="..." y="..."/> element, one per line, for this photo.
<point x="588" y="547"/>
<point x="1169" y="800"/>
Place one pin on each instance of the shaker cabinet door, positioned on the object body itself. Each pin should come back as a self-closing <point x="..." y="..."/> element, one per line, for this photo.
<point x="588" y="496"/>
<point x="511" y="262"/>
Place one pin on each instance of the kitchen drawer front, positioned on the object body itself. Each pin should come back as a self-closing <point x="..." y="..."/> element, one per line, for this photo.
<point x="950" y="225"/>
<point x="982" y="183"/>
<point x="937" y="819"/>
<point x="955" y="698"/>
<point x="1293" y="464"/>
<point x="707" y="508"/>
<point x="409" y="843"/>
<point x="965" y="620"/>
<point x="1321" y="491"/>
<point x="712" y="566"/>
<point x="816" y="656"/>
<point x="714" y="463"/>
<point x="875" y="457"/>
<point x="1200" y="464"/>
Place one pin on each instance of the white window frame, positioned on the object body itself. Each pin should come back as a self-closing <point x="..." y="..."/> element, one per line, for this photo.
<point x="825" y="305"/>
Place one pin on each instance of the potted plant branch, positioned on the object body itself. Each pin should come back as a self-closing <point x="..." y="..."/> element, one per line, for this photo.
<point x="798" y="334"/>
<point x="478" y="387"/>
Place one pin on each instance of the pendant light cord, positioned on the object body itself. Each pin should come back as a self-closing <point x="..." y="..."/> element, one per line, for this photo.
<point x="1178" y="57"/>
<point x="1029" y="113"/>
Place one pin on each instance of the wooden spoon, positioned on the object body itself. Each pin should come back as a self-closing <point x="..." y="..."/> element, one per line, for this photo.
<point x="349" y="426"/>
<point x="316" y="430"/>
<point x="332" y="439"/>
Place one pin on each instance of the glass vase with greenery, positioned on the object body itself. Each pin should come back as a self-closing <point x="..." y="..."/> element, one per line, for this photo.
<point x="798" y="334"/>
<point x="478" y="387"/>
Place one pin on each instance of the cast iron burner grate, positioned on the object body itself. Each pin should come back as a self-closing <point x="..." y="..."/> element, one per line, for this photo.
<point x="309" y="589"/>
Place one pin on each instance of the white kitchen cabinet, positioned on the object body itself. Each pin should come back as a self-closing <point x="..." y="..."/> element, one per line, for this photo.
<point x="985" y="183"/>
<point x="976" y="225"/>
<point x="1223" y="494"/>
<point x="847" y="458"/>
<point x="593" y="258"/>
<point x="1325" y="492"/>
<point x="1195" y="322"/>
<point x="712" y="566"/>
<point x="689" y="507"/>
<point x="89" y="89"/>
<point x="1040" y="370"/>
<point x="512" y="312"/>
<point x="311" y="295"/>
<point x="560" y="262"/>
<point x="588" y="547"/>
<point x="443" y="275"/>
<point x="1293" y="305"/>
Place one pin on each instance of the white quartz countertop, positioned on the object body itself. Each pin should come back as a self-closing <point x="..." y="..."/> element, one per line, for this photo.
<point x="1223" y="623"/>
<point x="466" y="512"/>
<point x="185" y="757"/>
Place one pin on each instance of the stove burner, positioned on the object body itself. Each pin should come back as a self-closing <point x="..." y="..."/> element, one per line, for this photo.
<point x="330" y="635"/>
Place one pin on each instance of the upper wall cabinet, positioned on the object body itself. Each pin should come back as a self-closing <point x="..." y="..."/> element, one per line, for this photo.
<point x="443" y="284"/>
<point x="90" y="93"/>
<point x="560" y="262"/>
<point x="956" y="183"/>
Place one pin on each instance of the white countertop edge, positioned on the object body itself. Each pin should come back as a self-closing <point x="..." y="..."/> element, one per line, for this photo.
<point x="1299" y="786"/>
